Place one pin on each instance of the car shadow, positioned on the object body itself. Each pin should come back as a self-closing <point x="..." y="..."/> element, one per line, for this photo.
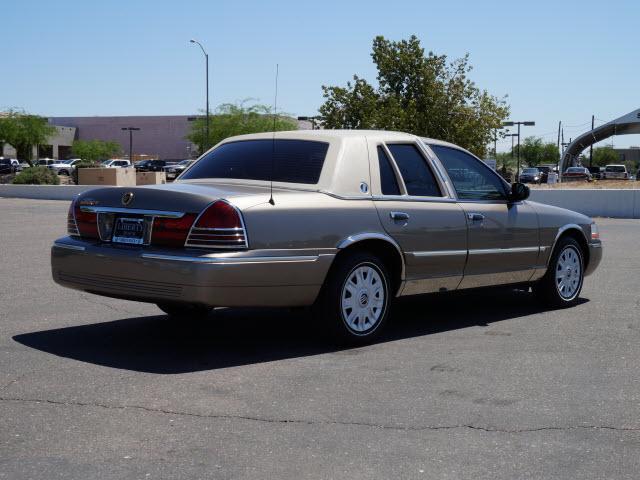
<point x="234" y="337"/>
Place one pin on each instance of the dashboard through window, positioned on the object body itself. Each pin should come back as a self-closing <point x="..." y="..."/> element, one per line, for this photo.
<point x="471" y="179"/>
<point x="415" y="172"/>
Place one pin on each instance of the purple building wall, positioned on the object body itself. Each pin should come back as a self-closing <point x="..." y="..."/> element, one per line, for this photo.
<point x="158" y="135"/>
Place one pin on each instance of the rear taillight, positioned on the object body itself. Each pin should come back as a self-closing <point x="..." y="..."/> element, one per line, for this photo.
<point x="86" y="222"/>
<point x="220" y="225"/>
<point x="171" y="232"/>
<point x="72" y="227"/>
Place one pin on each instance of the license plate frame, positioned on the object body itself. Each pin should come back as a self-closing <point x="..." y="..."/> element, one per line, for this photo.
<point x="129" y="231"/>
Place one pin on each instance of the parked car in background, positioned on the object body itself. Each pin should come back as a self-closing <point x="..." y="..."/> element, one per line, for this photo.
<point x="544" y="173"/>
<point x="45" y="162"/>
<point x="64" y="167"/>
<point x="8" y="165"/>
<point x="615" y="172"/>
<point x="343" y="221"/>
<point x="172" y="171"/>
<point x="577" y="173"/>
<point x="596" y="172"/>
<point x="153" y="165"/>
<point x="531" y="175"/>
<point x="115" y="163"/>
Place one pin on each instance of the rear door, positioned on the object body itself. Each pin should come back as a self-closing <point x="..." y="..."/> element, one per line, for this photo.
<point x="503" y="237"/>
<point x="417" y="211"/>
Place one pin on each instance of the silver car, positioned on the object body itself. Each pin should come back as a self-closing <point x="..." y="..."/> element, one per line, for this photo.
<point x="342" y="221"/>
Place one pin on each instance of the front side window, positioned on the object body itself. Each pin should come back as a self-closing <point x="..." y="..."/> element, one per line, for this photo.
<point x="415" y="172"/>
<point x="470" y="177"/>
<point x="388" y="181"/>
<point x="292" y="161"/>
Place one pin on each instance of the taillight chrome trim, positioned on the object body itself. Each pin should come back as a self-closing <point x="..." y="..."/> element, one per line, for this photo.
<point x="243" y="240"/>
<point x="72" y="228"/>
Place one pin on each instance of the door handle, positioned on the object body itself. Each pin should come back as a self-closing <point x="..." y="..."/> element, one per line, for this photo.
<point x="475" y="217"/>
<point x="399" y="216"/>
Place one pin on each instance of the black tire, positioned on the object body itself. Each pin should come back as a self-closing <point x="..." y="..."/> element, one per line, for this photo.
<point x="63" y="172"/>
<point x="328" y="308"/>
<point x="185" y="311"/>
<point x="555" y="292"/>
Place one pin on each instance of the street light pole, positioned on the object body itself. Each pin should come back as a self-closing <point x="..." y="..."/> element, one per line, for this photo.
<point x="511" y="124"/>
<point x="206" y="63"/>
<point x="131" y="130"/>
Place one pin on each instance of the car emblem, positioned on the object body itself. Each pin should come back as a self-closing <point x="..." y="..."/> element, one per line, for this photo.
<point x="127" y="198"/>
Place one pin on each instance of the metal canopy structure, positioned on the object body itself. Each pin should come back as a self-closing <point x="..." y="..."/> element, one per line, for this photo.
<point x="625" y="125"/>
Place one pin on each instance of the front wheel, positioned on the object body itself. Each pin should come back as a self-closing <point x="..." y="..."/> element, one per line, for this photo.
<point x="562" y="283"/>
<point x="354" y="302"/>
<point x="185" y="311"/>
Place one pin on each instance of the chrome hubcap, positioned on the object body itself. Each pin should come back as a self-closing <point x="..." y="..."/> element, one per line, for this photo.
<point x="568" y="273"/>
<point x="362" y="299"/>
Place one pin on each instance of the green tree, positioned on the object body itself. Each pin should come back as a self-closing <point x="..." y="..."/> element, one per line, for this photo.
<point x="603" y="156"/>
<point x="94" y="150"/>
<point x="533" y="151"/>
<point x="424" y="95"/>
<point x="24" y="131"/>
<point x="237" y="119"/>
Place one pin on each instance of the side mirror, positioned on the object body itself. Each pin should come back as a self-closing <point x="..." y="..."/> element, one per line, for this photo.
<point x="519" y="191"/>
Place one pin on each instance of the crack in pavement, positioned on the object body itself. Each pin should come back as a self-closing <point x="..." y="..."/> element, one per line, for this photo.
<point x="316" y="422"/>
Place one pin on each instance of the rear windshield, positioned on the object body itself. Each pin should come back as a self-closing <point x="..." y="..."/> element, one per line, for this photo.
<point x="4" y="162"/>
<point x="292" y="161"/>
<point x="616" y="168"/>
<point x="575" y="170"/>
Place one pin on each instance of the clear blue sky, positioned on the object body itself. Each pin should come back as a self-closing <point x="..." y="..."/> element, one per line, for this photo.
<point x="556" y="60"/>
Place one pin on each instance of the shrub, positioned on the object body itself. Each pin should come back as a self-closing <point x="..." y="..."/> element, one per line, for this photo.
<point x="82" y="164"/>
<point x="37" y="176"/>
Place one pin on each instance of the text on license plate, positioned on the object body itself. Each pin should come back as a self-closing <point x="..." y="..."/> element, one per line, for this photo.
<point x="129" y="230"/>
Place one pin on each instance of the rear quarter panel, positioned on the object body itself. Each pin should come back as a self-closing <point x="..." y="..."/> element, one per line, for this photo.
<point x="308" y="220"/>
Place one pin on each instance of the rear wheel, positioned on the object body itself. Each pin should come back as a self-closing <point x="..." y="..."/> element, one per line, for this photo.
<point x="561" y="285"/>
<point x="354" y="302"/>
<point x="185" y="311"/>
<point x="63" y="172"/>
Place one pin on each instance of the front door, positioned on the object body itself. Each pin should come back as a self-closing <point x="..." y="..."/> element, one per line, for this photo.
<point x="503" y="239"/>
<point x="416" y="212"/>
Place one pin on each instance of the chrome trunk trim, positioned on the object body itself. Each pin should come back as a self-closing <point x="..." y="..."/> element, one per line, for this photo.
<point x="132" y="211"/>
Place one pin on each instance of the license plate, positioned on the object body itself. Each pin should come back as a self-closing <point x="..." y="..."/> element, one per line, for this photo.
<point x="129" y="230"/>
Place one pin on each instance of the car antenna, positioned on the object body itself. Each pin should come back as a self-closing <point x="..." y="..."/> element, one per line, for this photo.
<point x="273" y="141"/>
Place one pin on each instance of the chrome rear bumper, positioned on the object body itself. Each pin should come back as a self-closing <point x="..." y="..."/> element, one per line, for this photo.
<point x="233" y="279"/>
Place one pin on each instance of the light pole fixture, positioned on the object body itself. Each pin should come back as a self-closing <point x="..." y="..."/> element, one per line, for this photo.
<point x="131" y="130"/>
<point x="511" y="124"/>
<point x="206" y="66"/>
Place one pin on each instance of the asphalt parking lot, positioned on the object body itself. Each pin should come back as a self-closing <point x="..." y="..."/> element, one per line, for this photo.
<point x="484" y="386"/>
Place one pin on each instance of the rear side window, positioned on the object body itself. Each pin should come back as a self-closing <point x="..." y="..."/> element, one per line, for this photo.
<point x="388" y="181"/>
<point x="294" y="161"/>
<point x="416" y="174"/>
<point x="472" y="179"/>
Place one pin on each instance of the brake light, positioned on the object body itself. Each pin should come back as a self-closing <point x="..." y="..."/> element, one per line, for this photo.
<point x="72" y="227"/>
<point x="220" y="225"/>
<point x="86" y="222"/>
<point x="171" y="232"/>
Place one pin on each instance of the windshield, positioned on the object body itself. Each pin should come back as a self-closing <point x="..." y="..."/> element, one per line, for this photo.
<point x="4" y="162"/>
<point x="185" y="163"/>
<point x="575" y="170"/>
<point x="292" y="161"/>
<point x="616" y="168"/>
<point x="530" y="170"/>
